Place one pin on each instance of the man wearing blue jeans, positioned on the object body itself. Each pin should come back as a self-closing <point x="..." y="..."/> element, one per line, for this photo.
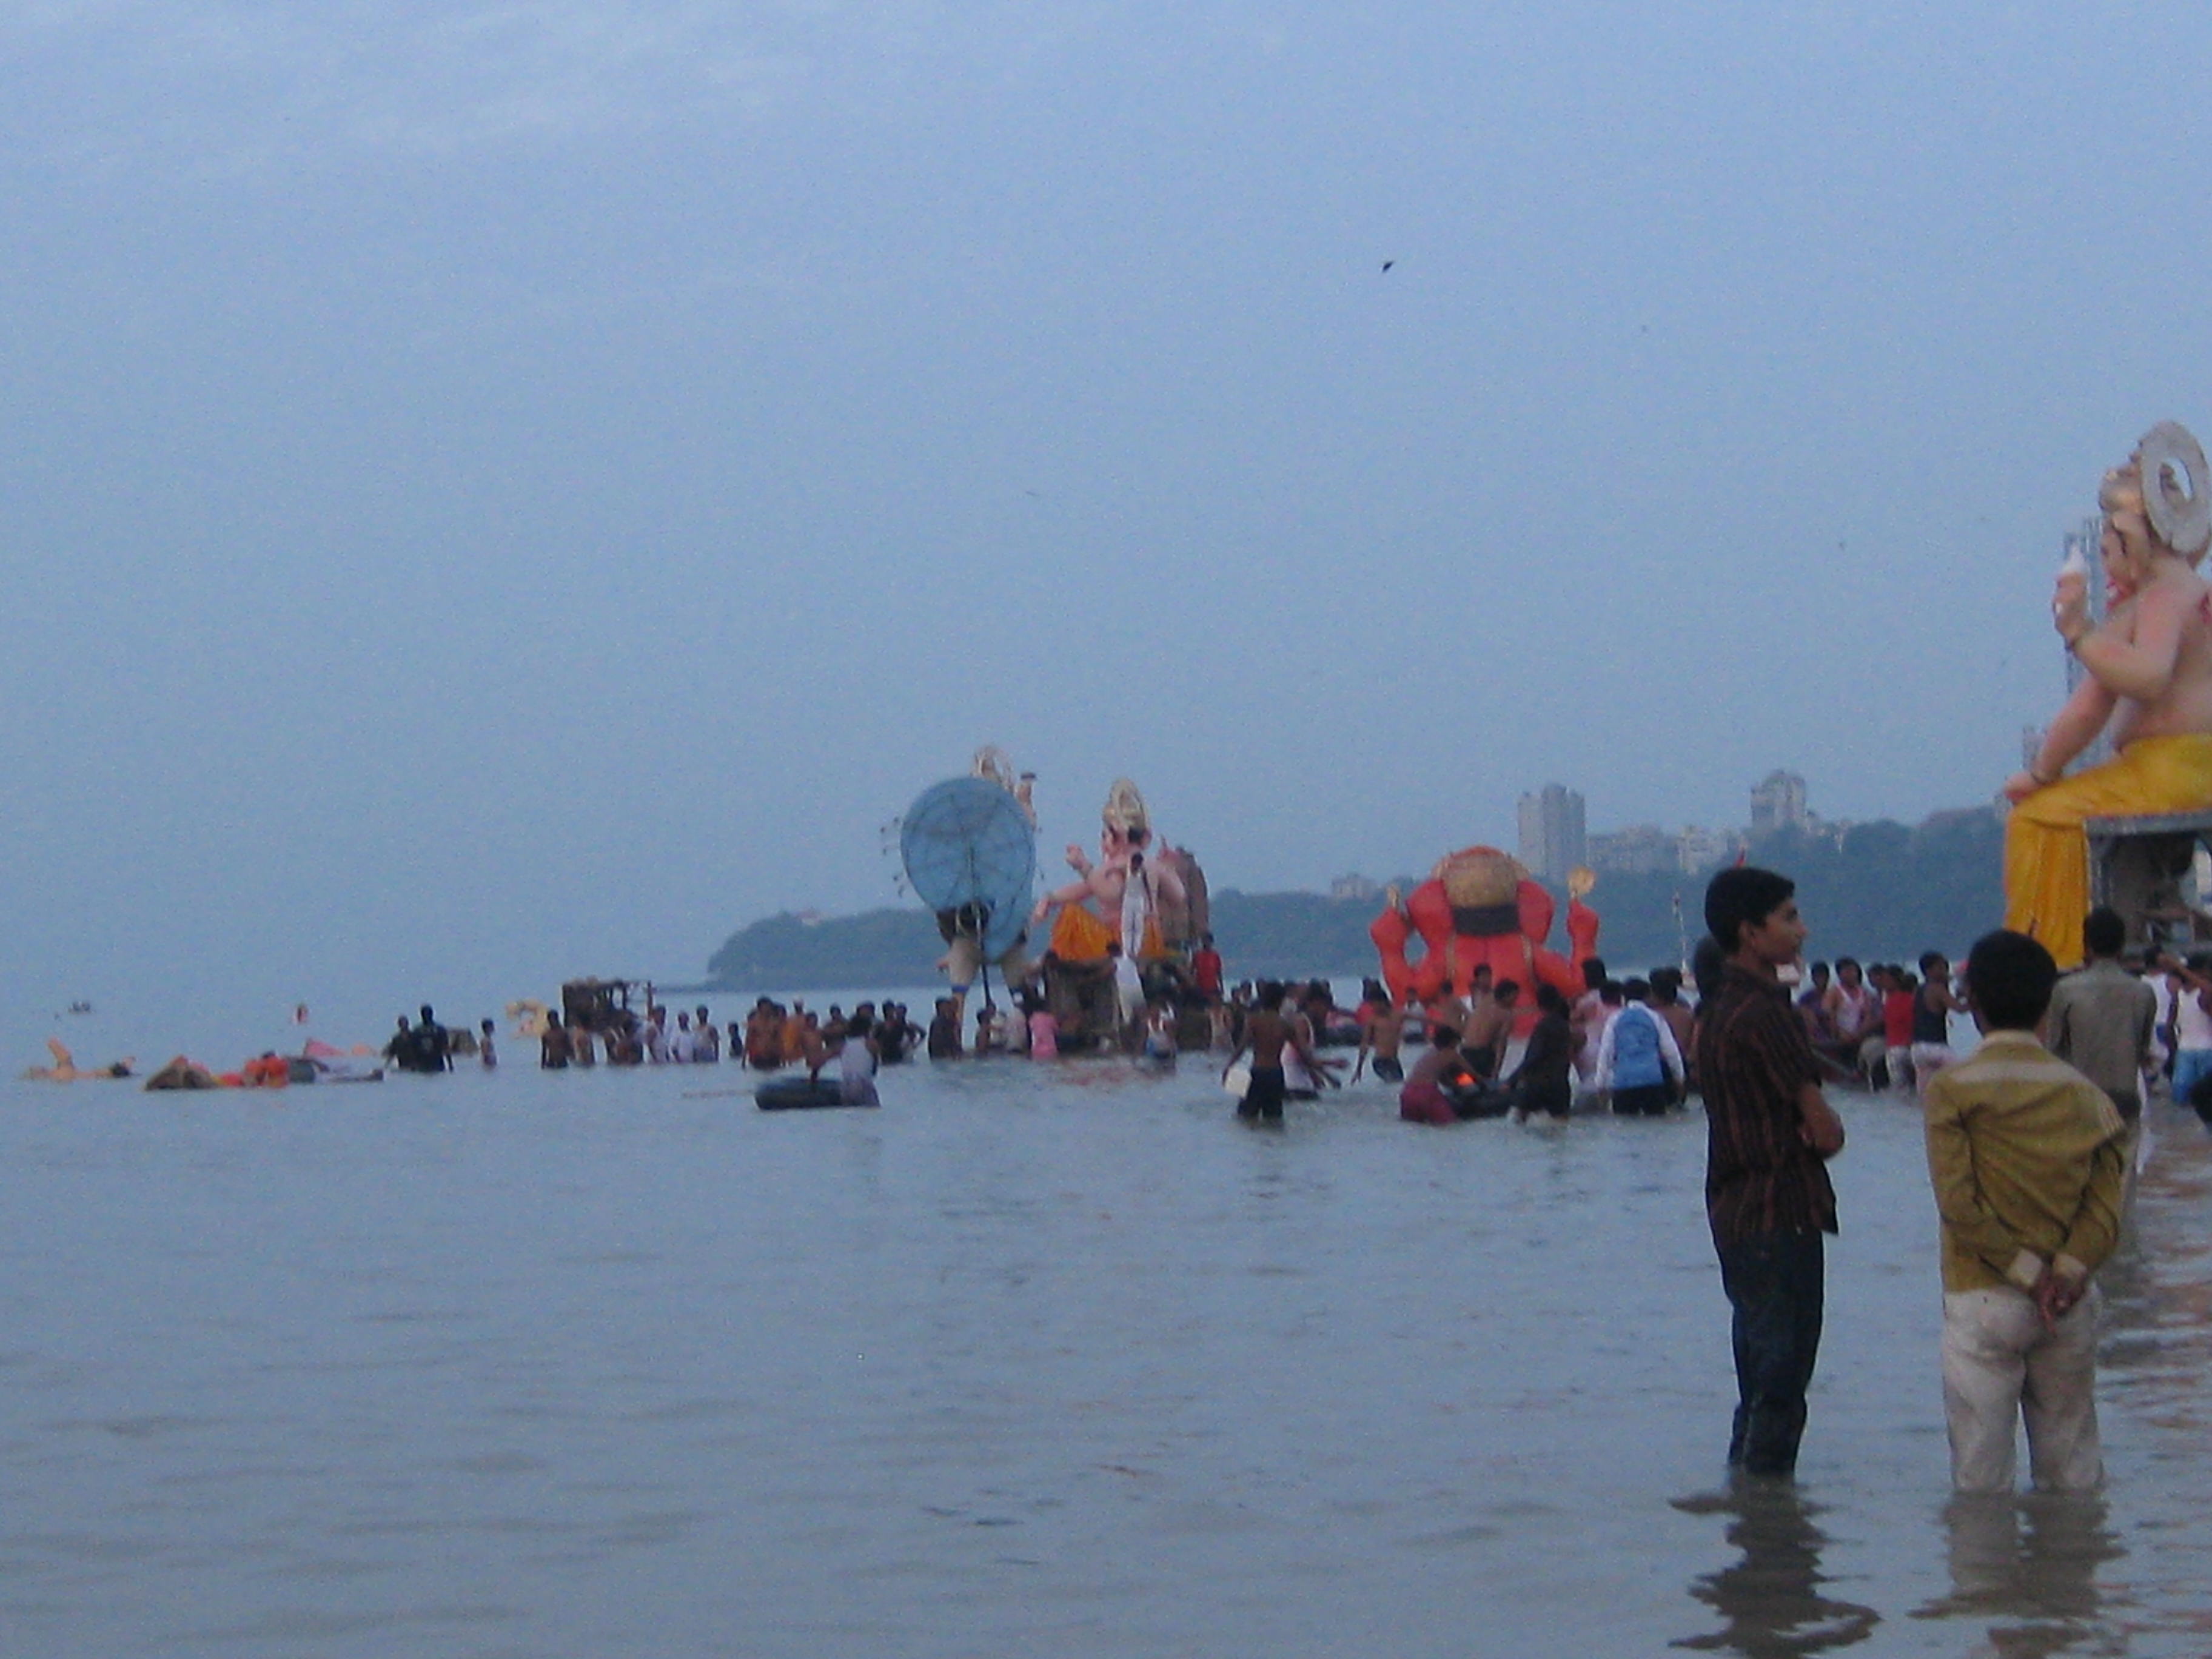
<point x="1769" y="1134"/>
<point x="2192" y="1023"/>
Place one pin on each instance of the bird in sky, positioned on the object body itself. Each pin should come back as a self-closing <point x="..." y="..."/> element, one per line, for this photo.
<point x="1387" y="263"/>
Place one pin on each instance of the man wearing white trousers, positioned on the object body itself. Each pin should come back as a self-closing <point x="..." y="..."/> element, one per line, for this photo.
<point x="2026" y="1157"/>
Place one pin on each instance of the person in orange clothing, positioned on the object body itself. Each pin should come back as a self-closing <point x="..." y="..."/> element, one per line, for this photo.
<point x="269" y="1071"/>
<point x="2150" y="683"/>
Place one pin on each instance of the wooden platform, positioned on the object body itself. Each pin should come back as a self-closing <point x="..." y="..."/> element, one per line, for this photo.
<point x="2139" y="864"/>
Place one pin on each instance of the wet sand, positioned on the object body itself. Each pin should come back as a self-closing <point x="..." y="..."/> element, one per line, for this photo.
<point x="1035" y="1359"/>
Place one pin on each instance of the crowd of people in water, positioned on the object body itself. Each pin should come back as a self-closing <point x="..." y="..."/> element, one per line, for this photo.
<point x="1625" y="1045"/>
<point x="1882" y="1026"/>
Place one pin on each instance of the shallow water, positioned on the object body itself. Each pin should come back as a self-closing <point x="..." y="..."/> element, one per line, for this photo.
<point x="1036" y="1360"/>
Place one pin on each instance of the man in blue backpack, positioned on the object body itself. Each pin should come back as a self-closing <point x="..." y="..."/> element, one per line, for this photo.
<point x="1638" y="1062"/>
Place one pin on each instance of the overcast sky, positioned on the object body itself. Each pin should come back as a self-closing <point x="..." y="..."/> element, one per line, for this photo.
<point x="512" y="490"/>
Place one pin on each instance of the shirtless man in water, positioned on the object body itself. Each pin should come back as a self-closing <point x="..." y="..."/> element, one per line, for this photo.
<point x="1267" y="1034"/>
<point x="1491" y="1029"/>
<point x="1447" y="1007"/>
<point x="1385" y="1037"/>
<point x="2150" y="681"/>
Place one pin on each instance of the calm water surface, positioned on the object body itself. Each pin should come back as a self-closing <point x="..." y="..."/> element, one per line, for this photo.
<point x="1054" y="1360"/>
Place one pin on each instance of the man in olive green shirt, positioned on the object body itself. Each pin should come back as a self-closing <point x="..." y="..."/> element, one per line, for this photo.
<point x="2026" y="1155"/>
<point x="2102" y="1018"/>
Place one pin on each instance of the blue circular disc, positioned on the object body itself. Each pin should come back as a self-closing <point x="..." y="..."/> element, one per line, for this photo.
<point x="967" y="842"/>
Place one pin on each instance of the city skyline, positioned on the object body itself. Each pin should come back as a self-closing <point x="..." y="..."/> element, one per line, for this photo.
<point x="1554" y="837"/>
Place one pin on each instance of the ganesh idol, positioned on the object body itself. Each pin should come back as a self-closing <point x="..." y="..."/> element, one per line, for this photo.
<point x="1479" y="909"/>
<point x="2148" y="685"/>
<point x="1134" y="894"/>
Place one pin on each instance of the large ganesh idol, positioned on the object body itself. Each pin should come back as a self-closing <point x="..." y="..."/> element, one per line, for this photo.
<point x="1478" y="909"/>
<point x="1148" y="916"/>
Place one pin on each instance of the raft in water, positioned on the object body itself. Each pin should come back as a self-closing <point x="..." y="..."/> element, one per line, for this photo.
<point x="792" y="1094"/>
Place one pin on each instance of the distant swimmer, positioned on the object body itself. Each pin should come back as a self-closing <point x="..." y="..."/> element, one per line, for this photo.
<point x="66" y="1070"/>
<point x="433" y="1045"/>
<point x="553" y="1043"/>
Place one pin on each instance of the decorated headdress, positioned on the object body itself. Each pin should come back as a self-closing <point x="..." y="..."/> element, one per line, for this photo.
<point x="992" y="762"/>
<point x="1124" y="811"/>
<point x="2167" y="482"/>
<point x="1476" y="876"/>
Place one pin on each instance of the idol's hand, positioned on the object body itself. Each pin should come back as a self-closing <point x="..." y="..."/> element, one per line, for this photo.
<point x="2069" y="606"/>
<point x="2018" y="787"/>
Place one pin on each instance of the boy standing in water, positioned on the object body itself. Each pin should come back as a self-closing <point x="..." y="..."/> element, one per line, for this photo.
<point x="1933" y="1004"/>
<point x="1384" y="1036"/>
<point x="1490" y="1031"/>
<point x="2026" y="1158"/>
<point x="1545" y="1079"/>
<point x="1267" y="1034"/>
<point x="1769" y="1134"/>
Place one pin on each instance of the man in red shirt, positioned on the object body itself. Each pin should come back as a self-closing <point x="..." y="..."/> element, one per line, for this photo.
<point x="1205" y="970"/>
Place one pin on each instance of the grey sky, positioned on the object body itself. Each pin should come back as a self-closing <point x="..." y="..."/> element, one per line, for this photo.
<point x="517" y="490"/>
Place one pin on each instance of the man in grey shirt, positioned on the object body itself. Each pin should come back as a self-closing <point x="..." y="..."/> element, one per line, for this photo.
<point x="2102" y="1017"/>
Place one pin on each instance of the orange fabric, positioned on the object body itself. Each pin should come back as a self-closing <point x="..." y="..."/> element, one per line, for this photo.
<point x="2047" y="852"/>
<point x="1079" y="936"/>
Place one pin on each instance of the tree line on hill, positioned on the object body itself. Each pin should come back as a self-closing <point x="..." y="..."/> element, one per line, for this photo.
<point x="1885" y="890"/>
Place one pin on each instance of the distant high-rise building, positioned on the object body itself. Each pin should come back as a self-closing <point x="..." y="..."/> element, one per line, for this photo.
<point x="1553" y="838"/>
<point x="1778" y="803"/>
<point x="1642" y="849"/>
<point x="1701" y="849"/>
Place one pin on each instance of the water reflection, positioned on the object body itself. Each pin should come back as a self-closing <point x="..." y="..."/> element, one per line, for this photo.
<point x="1770" y="1599"/>
<point x="2029" y="1565"/>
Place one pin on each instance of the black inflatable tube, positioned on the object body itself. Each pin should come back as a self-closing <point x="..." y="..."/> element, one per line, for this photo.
<point x="794" y="1094"/>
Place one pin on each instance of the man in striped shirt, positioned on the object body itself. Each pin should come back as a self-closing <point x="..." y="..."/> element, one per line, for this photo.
<point x="1769" y="1134"/>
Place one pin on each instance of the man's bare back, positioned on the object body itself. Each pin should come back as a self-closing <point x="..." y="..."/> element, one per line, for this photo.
<point x="1388" y="1033"/>
<point x="1267" y="1034"/>
<point x="1491" y="1025"/>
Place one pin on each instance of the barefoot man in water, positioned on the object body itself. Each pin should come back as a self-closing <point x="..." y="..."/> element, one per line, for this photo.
<point x="1384" y="1036"/>
<point x="2150" y="681"/>
<point x="1770" y="1132"/>
<point x="1267" y="1034"/>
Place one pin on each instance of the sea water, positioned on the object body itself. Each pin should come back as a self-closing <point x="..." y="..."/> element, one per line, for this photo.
<point x="1038" y="1358"/>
